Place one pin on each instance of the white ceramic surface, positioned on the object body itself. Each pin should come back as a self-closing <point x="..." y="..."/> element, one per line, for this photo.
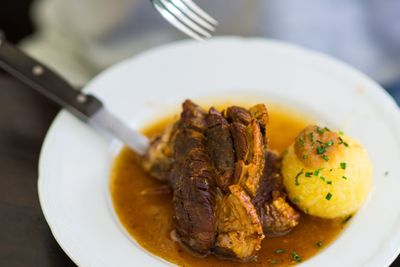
<point x="75" y="159"/>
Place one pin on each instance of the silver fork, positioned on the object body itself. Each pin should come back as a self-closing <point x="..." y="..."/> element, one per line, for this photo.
<point x="187" y="17"/>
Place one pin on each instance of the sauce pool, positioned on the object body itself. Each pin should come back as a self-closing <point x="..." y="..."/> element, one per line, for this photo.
<point x="148" y="218"/>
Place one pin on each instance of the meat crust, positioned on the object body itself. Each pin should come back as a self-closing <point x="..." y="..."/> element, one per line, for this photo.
<point x="219" y="145"/>
<point x="239" y="228"/>
<point x="193" y="183"/>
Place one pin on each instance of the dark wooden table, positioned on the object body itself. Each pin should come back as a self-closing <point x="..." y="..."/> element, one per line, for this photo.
<point x="25" y="238"/>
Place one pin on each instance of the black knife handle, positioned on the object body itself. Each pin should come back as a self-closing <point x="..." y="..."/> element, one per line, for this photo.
<point x="47" y="82"/>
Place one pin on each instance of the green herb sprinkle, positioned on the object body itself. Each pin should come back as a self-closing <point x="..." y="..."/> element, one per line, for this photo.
<point x="343" y="165"/>
<point x="296" y="256"/>
<point x="325" y="157"/>
<point x="296" y="179"/>
<point x="328" y="196"/>
<point x="321" y="150"/>
<point x="308" y="174"/>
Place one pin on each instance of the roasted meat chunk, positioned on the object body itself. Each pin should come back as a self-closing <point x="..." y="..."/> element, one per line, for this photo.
<point x="238" y="114"/>
<point x="227" y="186"/>
<point x="248" y="172"/>
<point x="193" y="183"/>
<point x="249" y="147"/>
<point x="238" y="225"/>
<point x="194" y="212"/>
<point x="260" y="112"/>
<point x="239" y="137"/>
<point x="277" y="216"/>
<point x="271" y="179"/>
<point x="158" y="160"/>
<point x="219" y="145"/>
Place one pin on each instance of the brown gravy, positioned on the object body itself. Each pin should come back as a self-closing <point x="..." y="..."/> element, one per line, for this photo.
<point x="148" y="218"/>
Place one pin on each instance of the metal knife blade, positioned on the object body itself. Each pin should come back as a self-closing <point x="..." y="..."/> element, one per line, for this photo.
<point x="104" y="119"/>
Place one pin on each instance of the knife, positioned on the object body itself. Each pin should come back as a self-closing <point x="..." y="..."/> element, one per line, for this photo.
<point x="84" y="106"/>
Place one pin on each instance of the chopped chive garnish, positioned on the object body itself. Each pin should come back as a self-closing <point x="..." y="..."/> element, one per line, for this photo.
<point x="328" y="182"/>
<point x="316" y="172"/>
<point x="328" y="196"/>
<point x="295" y="200"/>
<point x="325" y="157"/>
<point x="308" y="174"/>
<point x="322" y="178"/>
<point x="311" y="135"/>
<point x="279" y="251"/>
<point x="320" y="130"/>
<point x="320" y="244"/>
<point x="341" y="132"/>
<point x="321" y="150"/>
<point x="344" y="177"/>
<point x="319" y="141"/>
<point x="296" y="256"/>
<point x="305" y="156"/>
<point x="330" y="170"/>
<point x="342" y="142"/>
<point x="329" y="143"/>
<point x="343" y="165"/>
<point x="347" y="219"/>
<point x="296" y="179"/>
<point x="327" y="129"/>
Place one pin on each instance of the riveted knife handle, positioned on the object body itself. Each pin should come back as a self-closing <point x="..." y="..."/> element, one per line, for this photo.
<point x="45" y="81"/>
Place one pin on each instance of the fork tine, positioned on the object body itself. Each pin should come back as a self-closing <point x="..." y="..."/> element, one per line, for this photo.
<point x="174" y="21"/>
<point x="192" y="15"/>
<point x="182" y="17"/>
<point x="200" y="11"/>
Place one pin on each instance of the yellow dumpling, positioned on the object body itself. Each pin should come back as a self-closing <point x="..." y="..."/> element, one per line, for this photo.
<point x="326" y="174"/>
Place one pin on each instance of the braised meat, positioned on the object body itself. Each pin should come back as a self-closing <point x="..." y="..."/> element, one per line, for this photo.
<point x="220" y="148"/>
<point x="239" y="115"/>
<point x="239" y="229"/>
<point x="277" y="216"/>
<point x="158" y="160"/>
<point x="227" y="187"/>
<point x="249" y="147"/>
<point x="260" y="112"/>
<point x="271" y="179"/>
<point x="192" y="181"/>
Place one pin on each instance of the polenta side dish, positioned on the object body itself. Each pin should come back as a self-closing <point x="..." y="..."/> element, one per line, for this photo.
<point x="326" y="174"/>
<point x="239" y="187"/>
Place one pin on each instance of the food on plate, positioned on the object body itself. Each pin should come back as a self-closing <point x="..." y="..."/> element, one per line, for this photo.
<point x="327" y="174"/>
<point x="215" y="184"/>
<point x="224" y="194"/>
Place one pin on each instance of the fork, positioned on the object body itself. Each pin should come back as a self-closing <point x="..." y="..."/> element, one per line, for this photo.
<point x="186" y="16"/>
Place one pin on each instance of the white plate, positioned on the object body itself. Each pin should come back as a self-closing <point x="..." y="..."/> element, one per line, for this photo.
<point x="75" y="160"/>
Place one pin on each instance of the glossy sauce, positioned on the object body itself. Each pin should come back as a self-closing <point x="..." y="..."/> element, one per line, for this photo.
<point x="149" y="218"/>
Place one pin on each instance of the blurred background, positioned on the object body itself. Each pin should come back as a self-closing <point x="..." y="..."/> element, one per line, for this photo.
<point x="79" y="38"/>
<point x="15" y="19"/>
